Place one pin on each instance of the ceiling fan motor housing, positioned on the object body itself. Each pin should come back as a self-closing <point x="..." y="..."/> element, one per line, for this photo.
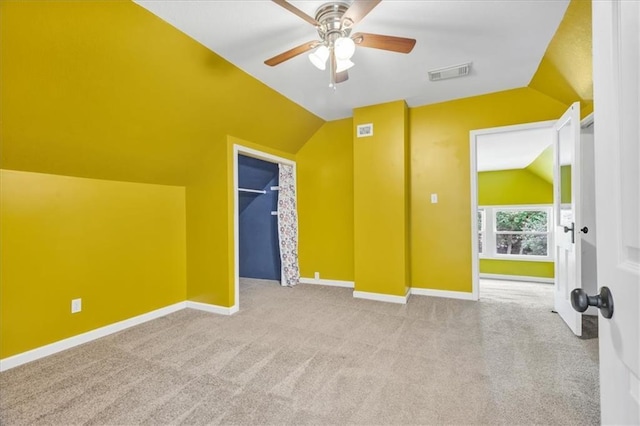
<point x="329" y="16"/>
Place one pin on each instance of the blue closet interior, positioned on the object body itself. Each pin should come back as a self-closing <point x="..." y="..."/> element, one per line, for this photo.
<point x="259" y="247"/>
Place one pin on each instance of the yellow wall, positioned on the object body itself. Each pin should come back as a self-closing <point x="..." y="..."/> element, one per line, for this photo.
<point x="440" y="233"/>
<point x="210" y="223"/>
<point x="380" y="200"/>
<point x="512" y="187"/>
<point x="565" y="184"/>
<point x="118" y="246"/>
<point x="325" y="202"/>
<point x="105" y="89"/>
<point x="209" y="277"/>
<point x="542" y="166"/>
<point x="516" y="267"/>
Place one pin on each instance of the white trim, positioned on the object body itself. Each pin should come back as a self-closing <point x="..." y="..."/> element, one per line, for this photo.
<point x="380" y="297"/>
<point x="587" y="121"/>
<point x="79" y="339"/>
<point x="540" y="207"/>
<point x="473" y="135"/>
<point x="475" y="259"/>
<point x="516" y="278"/>
<point x="68" y="343"/>
<point x="250" y="152"/>
<point x="240" y="149"/>
<point x="214" y="309"/>
<point x="330" y="283"/>
<point x="518" y="257"/>
<point x="462" y="295"/>
<point x="514" y="128"/>
<point x="490" y="233"/>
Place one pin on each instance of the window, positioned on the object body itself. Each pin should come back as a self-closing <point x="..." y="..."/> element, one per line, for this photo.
<point x="481" y="232"/>
<point x="515" y="232"/>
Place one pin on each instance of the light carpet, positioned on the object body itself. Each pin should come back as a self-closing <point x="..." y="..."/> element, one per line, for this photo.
<point x="315" y="355"/>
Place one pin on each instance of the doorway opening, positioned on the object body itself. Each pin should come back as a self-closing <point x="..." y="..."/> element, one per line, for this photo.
<point x="533" y="213"/>
<point x="256" y="239"/>
<point x="512" y="207"/>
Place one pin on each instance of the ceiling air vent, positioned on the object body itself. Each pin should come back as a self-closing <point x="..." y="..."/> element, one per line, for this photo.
<point x="450" y="72"/>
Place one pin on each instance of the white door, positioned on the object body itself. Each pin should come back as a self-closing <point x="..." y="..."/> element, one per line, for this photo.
<point x="588" y="212"/>
<point x="566" y="212"/>
<point x="616" y="53"/>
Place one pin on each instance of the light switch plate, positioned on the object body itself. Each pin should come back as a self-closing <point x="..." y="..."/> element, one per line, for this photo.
<point x="434" y="198"/>
<point x="76" y="306"/>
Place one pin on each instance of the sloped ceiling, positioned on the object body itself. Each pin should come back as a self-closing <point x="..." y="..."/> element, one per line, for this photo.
<point x="505" y="41"/>
<point x="566" y="70"/>
<point x="512" y="150"/>
<point x="108" y="90"/>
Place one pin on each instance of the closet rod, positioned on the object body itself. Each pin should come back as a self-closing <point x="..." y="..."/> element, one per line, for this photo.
<point x="255" y="191"/>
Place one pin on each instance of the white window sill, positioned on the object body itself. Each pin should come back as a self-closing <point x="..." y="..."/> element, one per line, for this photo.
<point x="519" y="258"/>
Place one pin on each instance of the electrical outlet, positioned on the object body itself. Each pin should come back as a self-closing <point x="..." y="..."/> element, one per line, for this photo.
<point x="316" y="276"/>
<point x="76" y="306"/>
<point x="434" y="198"/>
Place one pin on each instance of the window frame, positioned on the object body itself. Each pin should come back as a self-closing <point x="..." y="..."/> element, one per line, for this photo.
<point x="490" y="233"/>
<point x="482" y="231"/>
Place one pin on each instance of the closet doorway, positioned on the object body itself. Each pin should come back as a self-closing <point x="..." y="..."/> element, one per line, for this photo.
<point x="256" y="236"/>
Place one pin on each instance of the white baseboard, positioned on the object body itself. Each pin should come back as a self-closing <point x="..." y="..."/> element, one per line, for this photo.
<point x="61" y="345"/>
<point x="331" y="283"/>
<point x="443" y="293"/>
<point x="516" y="278"/>
<point x="380" y="297"/>
<point x="214" y="309"/>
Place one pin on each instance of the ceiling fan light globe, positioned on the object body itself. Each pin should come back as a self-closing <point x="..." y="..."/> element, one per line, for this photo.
<point x="344" y="48"/>
<point x="319" y="57"/>
<point x="343" y="65"/>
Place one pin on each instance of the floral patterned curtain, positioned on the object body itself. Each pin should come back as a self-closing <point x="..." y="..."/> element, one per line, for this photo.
<point x="288" y="226"/>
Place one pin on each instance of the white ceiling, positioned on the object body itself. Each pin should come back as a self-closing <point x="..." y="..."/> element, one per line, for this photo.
<point x="505" y="40"/>
<point x="511" y="150"/>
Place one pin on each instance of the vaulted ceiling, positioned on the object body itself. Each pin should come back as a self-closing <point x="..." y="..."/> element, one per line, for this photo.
<point x="504" y="40"/>
<point x="109" y="90"/>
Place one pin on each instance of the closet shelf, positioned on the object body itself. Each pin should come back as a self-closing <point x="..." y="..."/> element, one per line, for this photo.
<point x="253" y="191"/>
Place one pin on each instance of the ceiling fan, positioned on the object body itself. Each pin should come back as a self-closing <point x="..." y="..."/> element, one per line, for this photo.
<point x="334" y="22"/>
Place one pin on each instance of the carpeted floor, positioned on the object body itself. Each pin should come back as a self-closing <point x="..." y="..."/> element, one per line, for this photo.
<point x="316" y="355"/>
<point x="522" y="293"/>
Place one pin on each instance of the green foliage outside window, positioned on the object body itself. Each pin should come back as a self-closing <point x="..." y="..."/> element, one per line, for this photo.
<point x="521" y="232"/>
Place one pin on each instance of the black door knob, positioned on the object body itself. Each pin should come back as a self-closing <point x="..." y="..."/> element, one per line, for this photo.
<point x="603" y="301"/>
<point x="572" y="230"/>
<point x="585" y="230"/>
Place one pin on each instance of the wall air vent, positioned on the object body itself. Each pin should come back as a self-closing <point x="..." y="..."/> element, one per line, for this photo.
<point x="364" y="130"/>
<point x="450" y="72"/>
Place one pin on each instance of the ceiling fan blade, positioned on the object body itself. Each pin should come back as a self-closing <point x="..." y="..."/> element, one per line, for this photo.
<point x="342" y="77"/>
<point x="384" y="42"/>
<point x="292" y="53"/>
<point x="291" y="8"/>
<point x="358" y="10"/>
